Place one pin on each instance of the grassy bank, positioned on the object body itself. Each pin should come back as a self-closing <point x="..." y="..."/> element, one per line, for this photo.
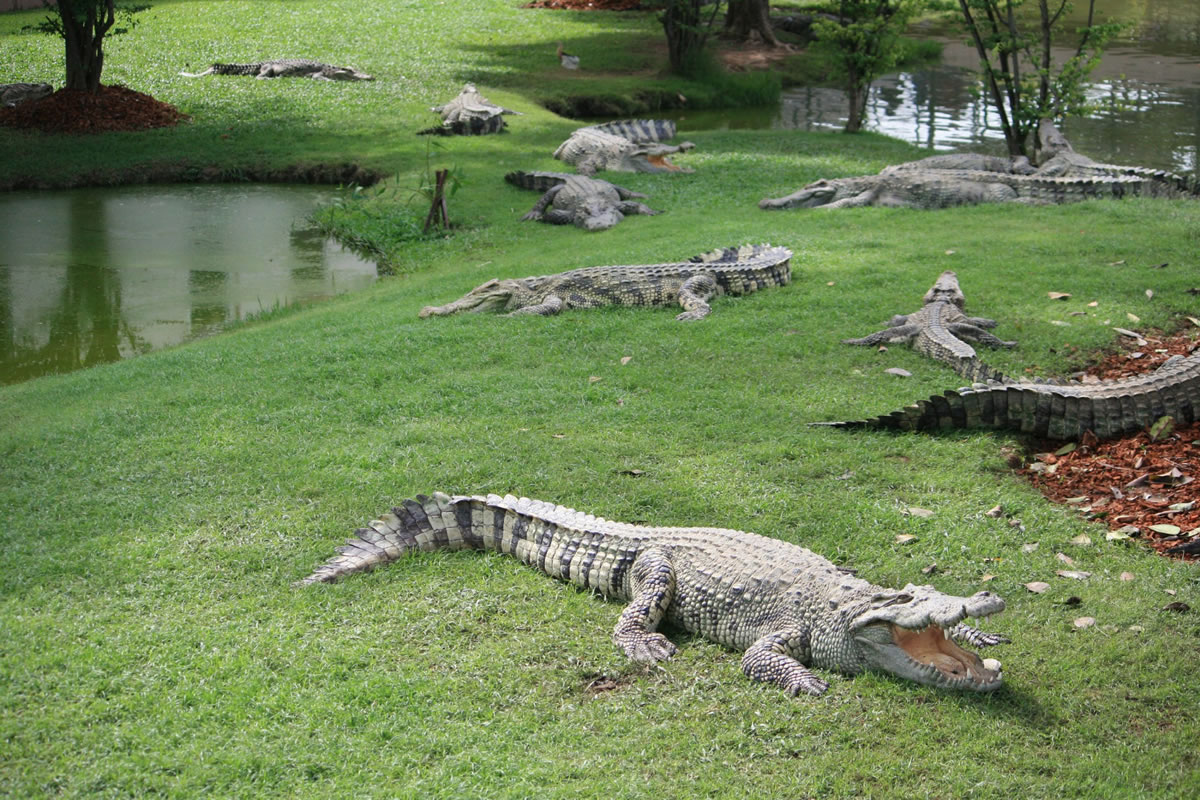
<point x="156" y="510"/>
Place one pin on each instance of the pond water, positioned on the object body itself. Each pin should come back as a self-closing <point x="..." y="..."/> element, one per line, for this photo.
<point x="1150" y="80"/>
<point x="89" y="276"/>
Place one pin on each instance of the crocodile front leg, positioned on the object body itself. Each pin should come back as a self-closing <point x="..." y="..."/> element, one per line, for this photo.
<point x="775" y="658"/>
<point x="964" y="331"/>
<point x="900" y="333"/>
<point x="542" y="204"/>
<point x="653" y="583"/>
<point x="633" y="207"/>
<point x="694" y="295"/>
<point x="551" y="305"/>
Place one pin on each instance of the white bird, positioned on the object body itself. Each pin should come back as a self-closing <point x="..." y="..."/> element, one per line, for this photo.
<point x="566" y="59"/>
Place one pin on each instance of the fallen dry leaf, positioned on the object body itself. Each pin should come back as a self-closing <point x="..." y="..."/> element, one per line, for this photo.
<point x="1127" y="576"/>
<point x="1037" y="587"/>
<point x="1085" y="622"/>
<point x="905" y="538"/>
<point x="1093" y="304"/>
<point x="594" y="378"/>
<point x="1073" y="574"/>
<point x="625" y="360"/>
<point x="1058" y="295"/>
<point x="1179" y="608"/>
<point x="1132" y="317"/>
<point x="903" y="373"/>
<point x="1082" y="539"/>
<point x="1166" y="530"/>
<point x="994" y="512"/>
<point x="1066" y="559"/>
<point x="1150" y="294"/>
<point x="1116" y="263"/>
<point x="1029" y="548"/>
<point x="987" y="577"/>
<point x="916" y="511"/>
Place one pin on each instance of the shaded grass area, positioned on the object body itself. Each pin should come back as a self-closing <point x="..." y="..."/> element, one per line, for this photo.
<point x="156" y="510"/>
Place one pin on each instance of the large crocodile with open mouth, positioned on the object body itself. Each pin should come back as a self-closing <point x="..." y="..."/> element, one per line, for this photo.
<point x="787" y="608"/>
<point x="629" y="145"/>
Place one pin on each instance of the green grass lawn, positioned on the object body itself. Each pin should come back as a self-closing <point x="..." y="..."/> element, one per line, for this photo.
<point x="156" y="511"/>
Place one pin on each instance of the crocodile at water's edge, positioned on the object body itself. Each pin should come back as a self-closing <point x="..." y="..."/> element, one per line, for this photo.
<point x="786" y="607"/>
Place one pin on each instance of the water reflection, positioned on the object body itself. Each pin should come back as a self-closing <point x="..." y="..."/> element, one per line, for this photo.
<point x="1148" y="85"/>
<point x="89" y="276"/>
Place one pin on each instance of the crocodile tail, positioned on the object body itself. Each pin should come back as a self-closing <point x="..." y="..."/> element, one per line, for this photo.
<point x="640" y="130"/>
<point x="537" y="181"/>
<point x="439" y="522"/>
<point x="235" y="69"/>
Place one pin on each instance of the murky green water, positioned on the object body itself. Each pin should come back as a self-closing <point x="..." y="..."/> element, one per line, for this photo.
<point x="1151" y="76"/>
<point x="89" y="276"/>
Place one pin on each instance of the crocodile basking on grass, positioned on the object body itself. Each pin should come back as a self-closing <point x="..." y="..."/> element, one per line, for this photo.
<point x="631" y="145"/>
<point x="899" y="187"/>
<point x="938" y="328"/>
<point x="786" y="607"/>
<point x="689" y="284"/>
<point x="1055" y="410"/>
<point x="286" y="68"/>
<point x="1057" y="158"/>
<point x="469" y="114"/>
<point x="587" y="203"/>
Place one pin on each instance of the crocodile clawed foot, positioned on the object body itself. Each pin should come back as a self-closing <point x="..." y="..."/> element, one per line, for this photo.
<point x="650" y="648"/>
<point x="693" y="315"/>
<point x="805" y="682"/>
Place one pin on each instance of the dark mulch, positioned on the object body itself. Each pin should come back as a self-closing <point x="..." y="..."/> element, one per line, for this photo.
<point x="1133" y="485"/>
<point x="114" y="108"/>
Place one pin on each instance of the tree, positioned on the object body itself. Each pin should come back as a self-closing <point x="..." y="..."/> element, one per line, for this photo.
<point x="1018" y="68"/>
<point x="83" y="25"/>
<point x="862" y="40"/>
<point x="687" y="28"/>
<point x="744" y="16"/>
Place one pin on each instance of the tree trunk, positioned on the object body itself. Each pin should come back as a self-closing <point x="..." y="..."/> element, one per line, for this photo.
<point x="744" y="16"/>
<point x="681" y="22"/>
<point x="84" y="24"/>
<point x="857" y="95"/>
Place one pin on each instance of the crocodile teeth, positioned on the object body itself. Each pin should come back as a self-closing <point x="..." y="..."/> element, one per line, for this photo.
<point x="991" y="664"/>
<point x="946" y="633"/>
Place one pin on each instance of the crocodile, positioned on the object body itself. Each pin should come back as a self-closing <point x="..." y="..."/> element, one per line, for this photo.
<point x="943" y="188"/>
<point x="13" y="94"/>
<point x="588" y="203"/>
<point x="1018" y="165"/>
<point x="286" y="68"/>
<point x="938" y="328"/>
<point x="631" y="145"/>
<point x="1057" y="158"/>
<point x="690" y="284"/>
<point x="788" y="609"/>
<point x="1056" y="410"/>
<point x="469" y="114"/>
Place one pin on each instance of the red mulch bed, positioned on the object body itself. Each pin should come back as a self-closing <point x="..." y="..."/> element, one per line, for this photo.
<point x="114" y="108"/>
<point x="587" y="5"/>
<point x="1133" y="482"/>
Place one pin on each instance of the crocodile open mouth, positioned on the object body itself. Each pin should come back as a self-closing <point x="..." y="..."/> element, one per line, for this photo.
<point x="947" y="664"/>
